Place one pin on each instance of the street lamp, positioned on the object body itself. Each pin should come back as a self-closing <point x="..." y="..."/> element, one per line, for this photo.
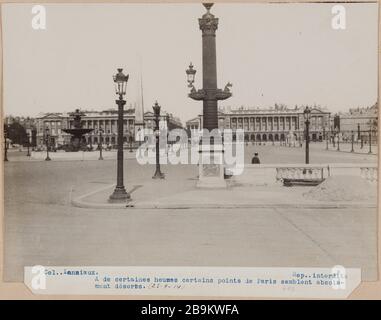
<point x="190" y="75"/>
<point x="47" y="136"/>
<point x="307" y="113"/>
<point x="338" y="139"/>
<point x="352" y="138"/>
<point x="158" y="174"/>
<point x="130" y="139"/>
<point x="358" y="131"/>
<point x="120" y="194"/>
<point x="370" y="141"/>
<point x="28" y="143"/>
<point x="100" y="146"/>
<point x="5" y="142"/>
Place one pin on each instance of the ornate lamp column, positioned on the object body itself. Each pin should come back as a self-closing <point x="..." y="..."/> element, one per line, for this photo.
<point x="211" y="171"/>
<point x="370" y="141"/>
<point x="120" y="194"/>
<point x="28" y="142"/>
<point x="338" y="139"/>
<point x="5" y="142"/>
<point x="100" y="144"/>
<point x="130" y="138"/>
<point x="358" y="132"/>
<point x="307" y="113"/>
<point x="352" y="138"/>
<point x="47" y="136"/>
<point x="158" y="174"/>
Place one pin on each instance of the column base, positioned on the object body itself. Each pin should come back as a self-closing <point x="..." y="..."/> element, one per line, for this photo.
<point x="158" y="175"/>
<point x="119" y="195"/>
<point x="211" y="168"/>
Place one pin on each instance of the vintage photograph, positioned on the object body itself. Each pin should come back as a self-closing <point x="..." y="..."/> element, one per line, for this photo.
<point x="236" y="135"/>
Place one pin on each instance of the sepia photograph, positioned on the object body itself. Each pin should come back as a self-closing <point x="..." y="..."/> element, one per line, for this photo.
<point x="190" y="135"/>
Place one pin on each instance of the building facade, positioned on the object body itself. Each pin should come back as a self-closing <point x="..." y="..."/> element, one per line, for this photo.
<point x="276" y="123"/>
<point x="104" y="124"/>
<point x="360" y="121"/>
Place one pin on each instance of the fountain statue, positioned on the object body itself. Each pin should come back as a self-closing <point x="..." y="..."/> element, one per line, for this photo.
<point x="77" y="141"/>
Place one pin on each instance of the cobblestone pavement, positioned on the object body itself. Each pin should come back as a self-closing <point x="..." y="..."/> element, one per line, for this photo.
<point x="41" y="227"/>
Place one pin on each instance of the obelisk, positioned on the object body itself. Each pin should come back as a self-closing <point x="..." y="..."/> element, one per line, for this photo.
<point x="139" y="113"/>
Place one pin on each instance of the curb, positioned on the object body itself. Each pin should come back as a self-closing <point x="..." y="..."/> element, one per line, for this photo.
<point x="78" y="202"/>
<point x="81" y="203"/>
<point x="176" y="206"/>
<point x="252" y="206"/>
<point x="90" y="205"/>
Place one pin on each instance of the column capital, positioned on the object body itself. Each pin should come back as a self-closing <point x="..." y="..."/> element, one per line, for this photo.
<point x="208" y="23"/>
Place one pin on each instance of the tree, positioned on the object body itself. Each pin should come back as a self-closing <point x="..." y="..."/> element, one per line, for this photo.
<point x="17" y="133"/>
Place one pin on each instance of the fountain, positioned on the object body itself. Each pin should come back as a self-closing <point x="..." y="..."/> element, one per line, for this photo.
<point x="77" y="141"/>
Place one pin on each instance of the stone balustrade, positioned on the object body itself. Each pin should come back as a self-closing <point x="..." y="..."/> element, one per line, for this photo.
<point x="369" y="173"/>
<point x="267" y="174"/>
<point x="298" y="173"/>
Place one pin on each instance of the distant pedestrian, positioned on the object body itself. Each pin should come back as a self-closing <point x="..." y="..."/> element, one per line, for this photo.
<point x="255" y="159"/>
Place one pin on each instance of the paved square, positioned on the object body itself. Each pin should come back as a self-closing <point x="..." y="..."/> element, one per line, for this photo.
<point x="42" y="227"/>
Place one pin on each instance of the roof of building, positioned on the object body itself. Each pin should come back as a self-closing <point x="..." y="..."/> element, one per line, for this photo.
<point x="277" y="108"/>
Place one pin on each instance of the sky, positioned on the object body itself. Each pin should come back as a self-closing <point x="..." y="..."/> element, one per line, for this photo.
<point x="271" y="53"/>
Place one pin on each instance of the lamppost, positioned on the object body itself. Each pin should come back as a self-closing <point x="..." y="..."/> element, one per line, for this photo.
<point x="130" y="138"/>
<point x="338" y="139"/>
<point x="120" y="194"/>
<point x="358" y="131"/>
<point x="370" y="141"/>
<point x="91" y="142"/>
<point x="327" y="140"/>
<point x="352" y="138"/>
<point x="307" y="113"/>
<point x="100" y="144"/>
<point x="158" y="174"/>
<point x="5" y="142"/>
<point x="167" y="132"/>
<point x="47" y="136"/>
<point x="28" y="143"/>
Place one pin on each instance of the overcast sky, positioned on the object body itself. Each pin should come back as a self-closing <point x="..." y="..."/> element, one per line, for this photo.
<point x="285" y="53"/>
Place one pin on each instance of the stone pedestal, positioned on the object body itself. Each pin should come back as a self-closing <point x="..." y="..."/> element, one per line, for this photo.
<point x="211" y="167"/>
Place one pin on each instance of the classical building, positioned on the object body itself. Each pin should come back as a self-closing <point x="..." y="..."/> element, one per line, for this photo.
<point x="363" y="119"/>
<point x="104" y="124"/>
<point x="269" y="124"/>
